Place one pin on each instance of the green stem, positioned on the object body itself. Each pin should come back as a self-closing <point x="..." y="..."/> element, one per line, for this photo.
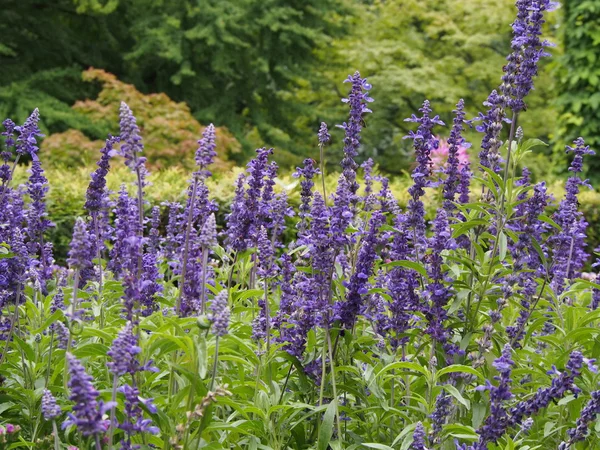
<point x="56" y="438"/>
<point x="230" y="277"/>
<point x="511" y="137"/>
<point x="186" y="243"/>
<point x="14" y="320"/>
<point x="98" y="255"/>
<point x="215" y="365"/>
<point x="140" y="201"/>
<point x="111" y="427"/>
<point x="203" y="284"/>
<point x="333" y="384"/>
<point x="406" y="378"/>
<point x="73" y="308"/>
<point x="322" y="163"/>
<point x="323" y="371"/>
<point x="268" y="330"/>
<point x="287" y="378"/>
<point x="49" y="358"/>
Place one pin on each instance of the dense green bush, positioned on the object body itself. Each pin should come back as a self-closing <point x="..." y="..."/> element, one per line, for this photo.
<point x="65" y="198"/>
<point x="580" y="78"/>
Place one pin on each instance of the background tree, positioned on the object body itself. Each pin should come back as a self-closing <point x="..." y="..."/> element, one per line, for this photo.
<point x="440" y="50"/>
<point x="580" y="79"/>
<point x="268" y="70"/>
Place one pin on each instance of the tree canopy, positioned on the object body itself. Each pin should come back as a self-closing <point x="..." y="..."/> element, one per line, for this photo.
<point x="268" y="70"/>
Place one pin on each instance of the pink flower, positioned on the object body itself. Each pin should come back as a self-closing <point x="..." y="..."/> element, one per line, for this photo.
<point x="439" y="156"/>
<point x="10" y="428"/>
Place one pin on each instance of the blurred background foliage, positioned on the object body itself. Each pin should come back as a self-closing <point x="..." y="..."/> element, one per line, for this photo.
<point x="269" y="71"/>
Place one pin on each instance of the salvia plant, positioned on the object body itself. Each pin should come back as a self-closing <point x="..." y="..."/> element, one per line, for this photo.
<point x="347" y="323"/>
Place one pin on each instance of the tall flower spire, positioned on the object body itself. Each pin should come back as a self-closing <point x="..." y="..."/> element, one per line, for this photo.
<point x="87" y="414"/>
<point x="131" y="140"/>
<point x="424" y="142"/>
<point x="26" y="141"/>
<point x="455" y="142"/>
<point x="568" y="245"/>
<point x="206" y="153"/>
<point x="358" y="100"/>
<point x="527" y="50"/>
<point x="96" y="194"/>
<point x="79" y="253"/>
<point x="50" y="409"/>
<point x="307" y="173"/>
<point x="491" y="125"/>
<point x="357" y="287"/>
<point x="131" y="146"/>
<point x="220" y="314"/>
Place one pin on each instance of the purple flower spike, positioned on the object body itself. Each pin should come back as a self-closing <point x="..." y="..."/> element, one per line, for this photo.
<point x="79" y="254"/>
<point x="220" y="314"/>
<point x="307" y="173"/>
<point x="50" y="409"/>
<point x="527" y="50"/>
<point x="206" y="153"/>
<point x="87" y="414"/>
<point x="418" y="442"/>
<point x="124" y="352"/>
<point x="96" y="195"/>
<point x="26" y="143"/>
<point x="580" y="150"/>
<point x="348" y="311"/>
<point x="568" y="245"/>
<point x="491" y="125"/>
<point x="588" y="415"/>
<point x="9" y="133"/>
<point x="424" y="142"/>
<point x="562" y="383"/>
<point x="131" y="141"/>
<point x="358" y="100"/>
<point x="324" y="136"/>
<point x="456" y="142"/>
<point x="208" y="236"/>
<point x="496" y="423"/>
<point x="134" y="422"/>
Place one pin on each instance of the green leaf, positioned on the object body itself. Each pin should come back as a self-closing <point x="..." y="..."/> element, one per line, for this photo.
<point x="457" y="395"/>
<point x="530" y="143"/>
<point x="461" y="228"/>
<point x="461" y="431"/>
<point x="404" y="365"/>
<point x="458" y="368"/>
<point x="248" y="294"/>
<point x="29" y="352"/>
<point x="409" y="265"/>
<point x="326" y="430"/>
<point x="91" y="350"/>
<point x="378" y="446"/>
<point x="503" y="244"/>
<point x="549" y="221"/>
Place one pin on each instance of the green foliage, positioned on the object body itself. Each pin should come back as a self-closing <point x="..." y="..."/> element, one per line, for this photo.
<point x="437" y="50"/>
<point x="54" y="91"/>
<point x="268" y="71"/>
<point x="238" y="62"/>
<point x="170" y="131"/>
<point x="580" y="78"/>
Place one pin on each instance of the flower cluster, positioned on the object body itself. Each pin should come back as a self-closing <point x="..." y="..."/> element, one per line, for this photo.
<point x="358" y="300"/>
<point x="87" y="414"/>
